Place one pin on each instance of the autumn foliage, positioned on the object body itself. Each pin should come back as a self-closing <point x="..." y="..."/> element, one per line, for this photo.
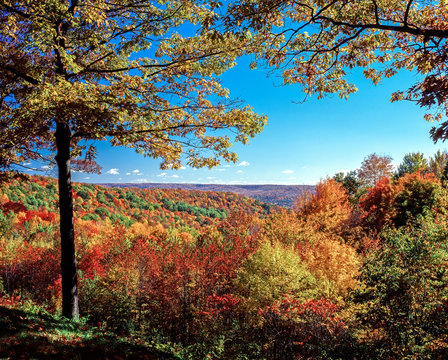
<point x="328" y="208"/>
<point x="397" y="202"/>
<point x="218" y="276"/>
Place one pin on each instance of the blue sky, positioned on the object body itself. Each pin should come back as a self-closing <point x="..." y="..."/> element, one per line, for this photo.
<point x="302" y="143"/>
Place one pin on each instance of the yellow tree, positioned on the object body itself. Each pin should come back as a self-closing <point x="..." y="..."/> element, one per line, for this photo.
<point x="73" y="72"/>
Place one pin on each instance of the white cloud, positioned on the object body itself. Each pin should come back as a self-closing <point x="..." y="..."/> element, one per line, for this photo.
<point x="220" y="169"/>
<point x="182" y="168"/>
<point x="165" y="175"/>
<point x="136" y="171"/>
<point x="140" y="181"/>
<point x="128" y="174"/>
<point x="87" y="178"/>
<point x="292" y="178"/>
<point x="26" y="163"/>
<point x="239" y="171"/>
<point x="46" y="167"/>
<point x="113" y="172"/>
<point x="226" y="166"/>
<point x="287" y="172"/>
<point x="211" y="177"/>
<point x="244" y="163"/>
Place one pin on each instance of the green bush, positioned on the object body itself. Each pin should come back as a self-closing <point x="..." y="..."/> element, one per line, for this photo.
<point x="402" y="299"/>
<point x="93" y="217"/>
<point x="103" y="212"/>
<point x="271" y="273"/>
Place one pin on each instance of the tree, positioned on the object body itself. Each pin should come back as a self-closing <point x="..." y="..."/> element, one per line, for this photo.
<point x="438" y="163"/>
<point x="271" y="273"/>
<point x="402" y="201"/>
<point x="327" y="209"/>
<point x="374" y="168"/>
<point x="417" y="193"/>
<point x="351" y="183"/>
<point x="378" y="205"/>
<point x="312" y="329"/>
<point x="412" y="162"/>
<point x="401" y="300"/>
<point x="317" y="43"/>
<point x="75" y="72"/>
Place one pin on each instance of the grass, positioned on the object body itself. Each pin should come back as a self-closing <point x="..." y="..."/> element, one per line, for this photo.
<point x="29" y="332"/>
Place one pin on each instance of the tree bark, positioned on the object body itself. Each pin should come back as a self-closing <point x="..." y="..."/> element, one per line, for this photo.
<point x="70" y="307"/>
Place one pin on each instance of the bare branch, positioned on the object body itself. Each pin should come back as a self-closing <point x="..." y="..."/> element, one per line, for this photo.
<point x="406" y="14"/>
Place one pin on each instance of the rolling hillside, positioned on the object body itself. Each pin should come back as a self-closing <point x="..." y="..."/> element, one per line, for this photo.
<point x="281" y="195"/>
<point x="121" y="205"/>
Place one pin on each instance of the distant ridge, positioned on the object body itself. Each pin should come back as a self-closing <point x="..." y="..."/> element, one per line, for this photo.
<point x="282" y="195"/>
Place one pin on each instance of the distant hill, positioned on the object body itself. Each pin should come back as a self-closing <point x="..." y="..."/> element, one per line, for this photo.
<point x="125" y="205"/>
<point x="282" y="195"/>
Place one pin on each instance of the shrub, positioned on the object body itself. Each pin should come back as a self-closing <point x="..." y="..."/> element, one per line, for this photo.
<point x="402" y="299"/>
<point x="272" y="272"/>
<point x="310" y="329"/>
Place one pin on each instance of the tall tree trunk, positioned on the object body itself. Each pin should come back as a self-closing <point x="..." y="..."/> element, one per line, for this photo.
<point x="70" y="307"/>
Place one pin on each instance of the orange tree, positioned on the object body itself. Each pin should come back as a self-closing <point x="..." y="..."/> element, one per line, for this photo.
<point x="327" y="209"/>
<point x="73" y="71"/>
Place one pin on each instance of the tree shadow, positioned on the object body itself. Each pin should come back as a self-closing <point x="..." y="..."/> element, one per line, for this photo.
<point x="25" y="335"/>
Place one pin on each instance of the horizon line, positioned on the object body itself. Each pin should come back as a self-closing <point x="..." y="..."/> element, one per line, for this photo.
<point x="191" y="183"/>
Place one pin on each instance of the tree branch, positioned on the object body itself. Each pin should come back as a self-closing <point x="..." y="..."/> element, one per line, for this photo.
<point x="72" y="7"/>
<point x="81" y="134"/>
<point x="160" y="66"/>
<point x="377" y="18"/>
<point x="394" y="28"/>
<point x="406" y="14"/>
<point x="15" y="11"/>
<point x="18" y="73"/>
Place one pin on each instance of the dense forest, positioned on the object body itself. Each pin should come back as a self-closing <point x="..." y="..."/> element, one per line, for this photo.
<point x="282" y="195"/>
<point x="357" y="270"/>
<point x="168" y="207"/>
